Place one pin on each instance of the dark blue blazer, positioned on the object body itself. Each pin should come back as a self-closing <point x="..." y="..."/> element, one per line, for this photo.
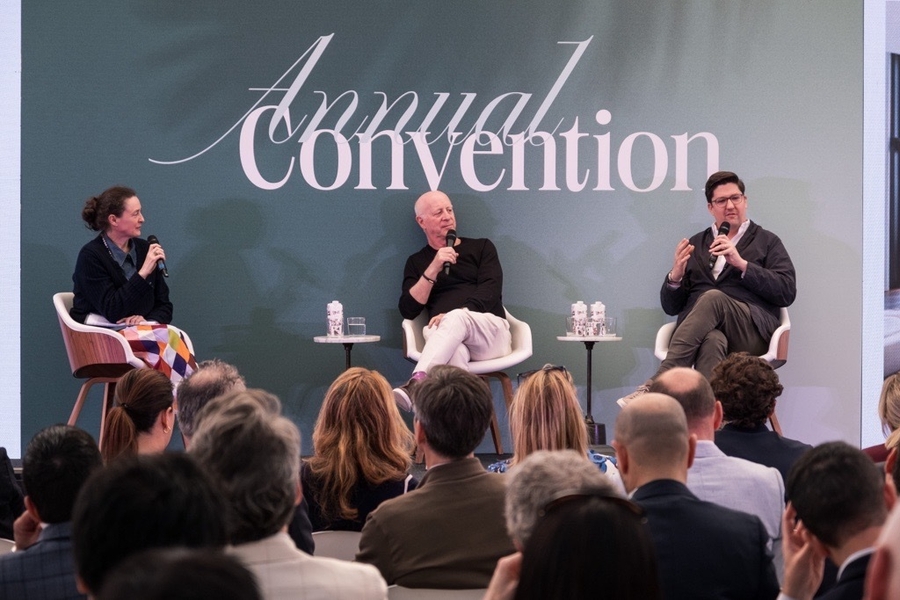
<point x="706" y="550"/>
<point x="852" y="581"/>
<point x="762" y="446"/>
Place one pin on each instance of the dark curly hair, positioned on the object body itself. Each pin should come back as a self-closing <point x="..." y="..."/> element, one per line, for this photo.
<point x="747" y="387"/>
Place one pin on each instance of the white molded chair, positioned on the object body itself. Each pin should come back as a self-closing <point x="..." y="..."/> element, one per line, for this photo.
<point x="520" y="332"/>
<point x="6" y="545"/>
<point x="776" y="355"/>
<point x="396" y="592"/>
<point x="337" y="544"/>
<point x="97" y="354"/>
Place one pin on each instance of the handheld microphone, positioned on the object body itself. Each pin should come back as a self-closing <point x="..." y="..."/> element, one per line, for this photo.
<point x="160" y="264"/>
<point x="724" y="228"/>
<point x="451" y="239"/>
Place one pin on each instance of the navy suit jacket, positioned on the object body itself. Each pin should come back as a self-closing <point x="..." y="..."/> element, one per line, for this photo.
<point x="761" y="446"/>
<point x="706" y="550"/>
<point x="43" y="571"/>
<point x="852" y="581"/>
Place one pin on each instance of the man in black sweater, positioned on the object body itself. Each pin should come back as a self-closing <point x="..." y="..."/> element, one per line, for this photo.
<point x="459" y="282"/>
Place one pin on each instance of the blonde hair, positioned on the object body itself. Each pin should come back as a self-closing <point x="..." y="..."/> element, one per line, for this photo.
<point x="546" y="415"/>
<point x="889" y="409"/>
<point x="359" y="437"/>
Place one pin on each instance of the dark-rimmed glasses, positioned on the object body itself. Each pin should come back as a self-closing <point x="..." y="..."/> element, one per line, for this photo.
<point x="736" y="199"/>
<point x="602" y="495"/>
<point x="523" y="376"/>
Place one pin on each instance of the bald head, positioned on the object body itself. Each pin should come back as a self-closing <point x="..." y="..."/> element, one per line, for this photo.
<point x="427" y="199"/>
<point x="653" y="432"/>
<point x="691" y="389"/>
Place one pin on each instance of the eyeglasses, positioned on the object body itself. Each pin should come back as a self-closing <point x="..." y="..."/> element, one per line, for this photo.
<point x="588" y="493"/>
<point x="523" y="376"/>
<point x="735" y="199"/>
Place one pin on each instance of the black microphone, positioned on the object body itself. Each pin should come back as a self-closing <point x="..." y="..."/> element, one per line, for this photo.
<point x="451" y="239"/>
<point x="724" y="228"/>
<point x="161" y="264"/>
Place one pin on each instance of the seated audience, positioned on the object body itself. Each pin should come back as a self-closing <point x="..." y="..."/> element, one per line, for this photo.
<point x="211" y="379"/>
<point x="361" y="452"/>
<point x="253" y="453"/>
<point x="883" y="575"/>
<point x="747" y="387"/>
<point x="839" y="503"/>
<point x="889" y="412"/>
<point x="449" y="531"/>
<point x="141" y="502"/>
<point x="704" y="550"/>
<point x="732" y="482"/>
<point x="180" y="574"/>
<point x="545" y="415"/>
<point x="540" y="477"/>
<point x="142" y="417"/>
<point x="587" y="544"/>
<point x="57" y="462"/>
<point x="11" y="498"/>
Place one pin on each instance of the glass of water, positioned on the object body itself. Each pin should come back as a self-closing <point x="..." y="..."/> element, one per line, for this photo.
<point x="356" y="326"/>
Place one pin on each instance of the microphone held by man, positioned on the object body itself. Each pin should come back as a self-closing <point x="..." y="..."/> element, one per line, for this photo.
<point x="451" y="241"/>
<point x="724" y="228"/>
<point x="161" y="264"/>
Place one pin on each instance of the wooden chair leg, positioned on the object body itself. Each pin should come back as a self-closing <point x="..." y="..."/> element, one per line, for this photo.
<point x="495" y="433"/>
<point x="773" y="420"/>
<point x="109" y="393"/>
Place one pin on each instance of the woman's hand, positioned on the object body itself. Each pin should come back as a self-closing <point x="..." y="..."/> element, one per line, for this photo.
<point x="132" y="320"/>
<point x="154" y="255"/>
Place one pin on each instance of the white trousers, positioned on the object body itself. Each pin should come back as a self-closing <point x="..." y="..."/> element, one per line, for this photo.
<point x="464" y="335"/>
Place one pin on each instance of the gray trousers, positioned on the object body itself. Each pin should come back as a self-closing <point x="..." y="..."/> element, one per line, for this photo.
<point x="717" y="325"/>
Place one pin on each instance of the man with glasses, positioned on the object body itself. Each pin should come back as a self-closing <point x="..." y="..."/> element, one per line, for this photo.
<point x="727" y="285"/>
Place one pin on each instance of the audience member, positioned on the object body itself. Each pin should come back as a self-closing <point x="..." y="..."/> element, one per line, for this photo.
<point x="540" y="477"/>
<point x="587" y="544"/>
<point x="254" y="454"/>
<point x="142" y="502"/>
<point x="57" y="462"/>
<point x="732" y="482"/>
<point x="180" y="574"/>
<point x="545" y="415"/>
<point x="213" y="378"/>
<point x="361" y="452"/>
<point x="889" y="412"/>
<point x="883" y="576"/>
<point x="704" y="550"/>
<point x="839" y="502"/>
<point x="448" y="532"/>
<point x="11" y="497"/>
<point x="300" y="528"/>
<point x="747" y="387"/>
<point x="142" y="417"/>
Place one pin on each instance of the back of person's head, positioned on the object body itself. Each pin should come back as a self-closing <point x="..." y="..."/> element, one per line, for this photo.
<point x="545" y="414"/>
<point x="690" y="388"/>
<point x="57" y="462"/>
<point x="837" y="492"/>
<point x="889" y="409"/>
<point x="359" y="435"/>
<point x="180" y="574"/>
<point x="538" y="478"/>
<point x="883" y="575"/>
<point x="254" y="456"/>
<point x="453" y="408"/>
<point x="654" y="430"/>
<point x="213" y="378"/>
<point x="721" y="178"/>
<point x="586" y="546"/>
<point x="747" y="387"/>
<point x="111" y="201"/>
<point x="140" y="502"/>
<point x="141" y="395"/>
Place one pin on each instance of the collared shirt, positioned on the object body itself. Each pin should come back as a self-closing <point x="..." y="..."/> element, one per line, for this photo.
<point x="126" y="260"/>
